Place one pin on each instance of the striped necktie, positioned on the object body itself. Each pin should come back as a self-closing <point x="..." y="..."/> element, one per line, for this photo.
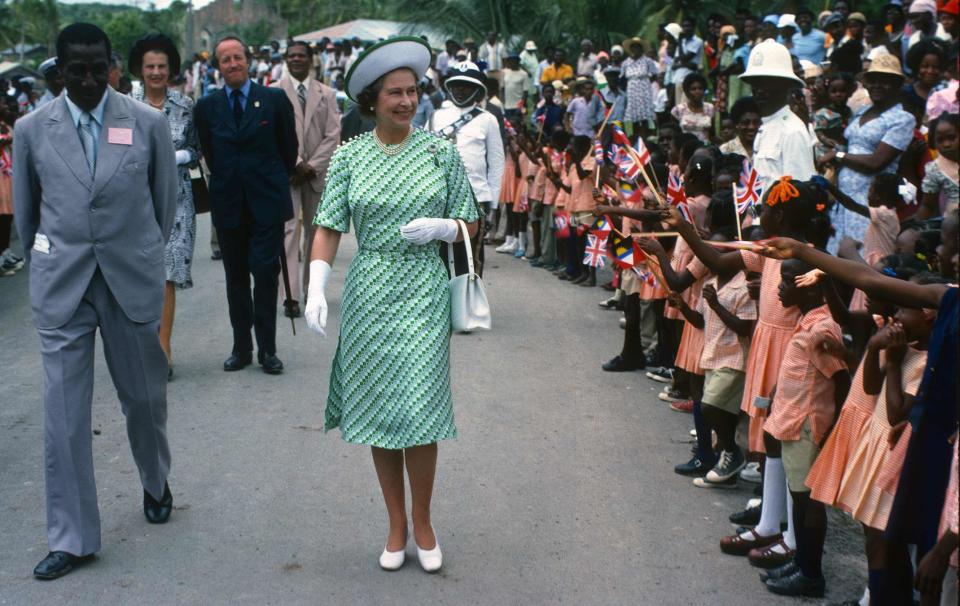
<point x="88" y="141"/>
<point x="302" y="95"/>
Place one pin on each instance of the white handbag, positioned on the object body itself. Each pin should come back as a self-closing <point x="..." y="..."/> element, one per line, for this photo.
<point x="469" y="309"/>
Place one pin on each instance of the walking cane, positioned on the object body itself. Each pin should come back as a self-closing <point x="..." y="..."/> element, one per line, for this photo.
<point x="288" y="302"/>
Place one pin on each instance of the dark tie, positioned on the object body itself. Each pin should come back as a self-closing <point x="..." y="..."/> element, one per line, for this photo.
<point x="237" y="106"/>
<point x="302" y="95"/>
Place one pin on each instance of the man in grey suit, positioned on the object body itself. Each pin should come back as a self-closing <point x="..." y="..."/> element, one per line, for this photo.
<point x="94" y="191"/>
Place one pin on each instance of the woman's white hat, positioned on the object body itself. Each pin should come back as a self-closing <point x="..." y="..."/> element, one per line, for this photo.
<point x="770" y="59"/>
<point x="673" y="29"/>
<point x="384" y="57"/>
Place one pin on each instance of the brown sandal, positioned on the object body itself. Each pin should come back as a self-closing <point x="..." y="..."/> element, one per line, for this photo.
<point x="766" y="557"/>
<point x="739" y="546"/>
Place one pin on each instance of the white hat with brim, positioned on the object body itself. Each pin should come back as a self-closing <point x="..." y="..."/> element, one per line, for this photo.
<point x="770" y="59"/>
<point x="386" y="56"/>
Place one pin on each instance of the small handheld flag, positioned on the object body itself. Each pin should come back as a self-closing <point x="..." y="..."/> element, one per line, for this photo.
<point x="561" y="224"/>
<point x="601" y="227"/>
<point x="619" y="137"/>
<point x="598" y="152"/>
<point x="595" y="251"/>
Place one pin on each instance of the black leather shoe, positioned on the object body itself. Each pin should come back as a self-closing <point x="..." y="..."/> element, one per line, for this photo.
<point x="797" y="585"/>
<point x="158" y="512"/>
<point x="57" y="564"/>
<point x="779" y="572"/>
<point x="237" y="362"/>
<point x="293" y="311"/>
<point x="618" y="364"/>
<point x="270" y="363"/>
<point x="748" y="517"/>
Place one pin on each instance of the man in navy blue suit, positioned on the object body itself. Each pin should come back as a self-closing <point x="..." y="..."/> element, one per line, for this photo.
<point x="248" y="137"/>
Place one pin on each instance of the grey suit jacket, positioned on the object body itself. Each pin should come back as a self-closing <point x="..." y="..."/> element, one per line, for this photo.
<point x="318" y="128"/>
<point x="118" y="219"/>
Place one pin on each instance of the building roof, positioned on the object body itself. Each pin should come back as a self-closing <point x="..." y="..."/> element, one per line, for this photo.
<point x="371" y="30"/>
<point x="8" y="69"/>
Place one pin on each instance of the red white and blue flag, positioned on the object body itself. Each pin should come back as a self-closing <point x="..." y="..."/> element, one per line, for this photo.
<point x="678" y="195"/>
<point x="598" y="152"/>
<point x="750" y="190"/>
<point x="642" y="152"/>
<point x="595" y="252"/>
<point x="619" y="137"/>
<point x="627" y="169"/>
<point x="561" y="223"/>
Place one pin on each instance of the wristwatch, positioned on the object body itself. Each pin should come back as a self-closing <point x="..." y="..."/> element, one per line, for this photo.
<point x="840" y="156"/>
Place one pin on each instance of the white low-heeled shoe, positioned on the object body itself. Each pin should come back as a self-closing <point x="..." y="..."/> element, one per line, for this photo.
<point x="392" y="560"/>
<point x="431" y="560"/>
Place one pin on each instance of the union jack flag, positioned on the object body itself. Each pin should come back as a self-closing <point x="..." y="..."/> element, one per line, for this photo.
<point x="642" y="151"/>
<point x="645" y="276"/>
<point x="749" y="192"/>
<point x="610" y="193"/>
<point x="626" y="168"/>
<point x="595" y="252"/>
<point x="678" y="195"/>
<point x="509" y="128"/>
<point x="598" y="152"/>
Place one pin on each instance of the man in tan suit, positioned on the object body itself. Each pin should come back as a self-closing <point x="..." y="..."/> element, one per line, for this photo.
<point x="318" y="133"/>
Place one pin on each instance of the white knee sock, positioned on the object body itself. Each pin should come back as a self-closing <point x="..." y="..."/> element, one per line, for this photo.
<point x="774" y="493"/>
<point x="790" y="536"/>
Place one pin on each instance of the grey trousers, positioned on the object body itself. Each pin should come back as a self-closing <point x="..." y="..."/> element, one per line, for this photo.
<point x="138" y="368"/>
<point x="648" y="328"/>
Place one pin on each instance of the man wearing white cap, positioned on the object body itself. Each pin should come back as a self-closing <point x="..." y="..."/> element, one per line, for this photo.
<point x="476" y="133"/>
<point x="55" y="82"/>
<point x="530" y="64"/>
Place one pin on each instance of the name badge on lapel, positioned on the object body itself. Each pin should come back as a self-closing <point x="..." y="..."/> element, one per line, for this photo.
<point x="120" y="136"/>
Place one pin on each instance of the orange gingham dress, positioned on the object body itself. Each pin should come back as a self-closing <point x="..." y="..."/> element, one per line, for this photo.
<point x="775" y="325"/>
<point x="692" y="339"/>
<point x="827" y="471"/>
<point x="860" y="492"/>
<point x="683" y="254"/>
<point x="508" y="185"/>
<point x="879" y="241"/>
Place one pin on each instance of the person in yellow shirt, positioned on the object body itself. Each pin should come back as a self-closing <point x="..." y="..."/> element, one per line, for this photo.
<point x="558" y="70"/>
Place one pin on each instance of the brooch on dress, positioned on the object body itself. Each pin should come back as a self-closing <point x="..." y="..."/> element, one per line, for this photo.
<point x="432" y="150"/>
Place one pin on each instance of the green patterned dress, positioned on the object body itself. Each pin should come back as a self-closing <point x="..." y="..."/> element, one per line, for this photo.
<point x="390" y="382"/>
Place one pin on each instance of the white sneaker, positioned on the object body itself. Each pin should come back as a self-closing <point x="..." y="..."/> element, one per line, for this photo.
<point x="392" y="560"/>
<point x="431" y="560"/>
<point x="508" y="247"/>
<point x="751" y="473"/>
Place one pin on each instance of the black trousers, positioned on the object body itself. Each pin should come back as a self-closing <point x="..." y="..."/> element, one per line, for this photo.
<point x="252" y="249"/>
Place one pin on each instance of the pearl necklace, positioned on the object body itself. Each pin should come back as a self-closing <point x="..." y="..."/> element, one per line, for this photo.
<point x="392" y="149"/>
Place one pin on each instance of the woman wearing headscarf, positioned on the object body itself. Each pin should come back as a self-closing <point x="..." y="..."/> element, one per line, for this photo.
<point x="404" y="190"/>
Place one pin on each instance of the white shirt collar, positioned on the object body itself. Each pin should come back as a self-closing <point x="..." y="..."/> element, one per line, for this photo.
<point x="296" y="83"/>
<point x="777" y="115"/>
<point x="96" y="112"/>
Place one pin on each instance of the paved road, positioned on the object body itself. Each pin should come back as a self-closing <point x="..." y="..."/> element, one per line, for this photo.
<point x="559" y="490"/>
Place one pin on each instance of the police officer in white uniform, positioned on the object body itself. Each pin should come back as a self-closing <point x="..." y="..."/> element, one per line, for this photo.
<point x="476" y="133"/>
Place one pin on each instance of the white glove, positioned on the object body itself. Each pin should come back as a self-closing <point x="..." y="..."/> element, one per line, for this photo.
<point x="183" y="157"/>
<point x="316" y="311"/>
<point x="421" y="231"/>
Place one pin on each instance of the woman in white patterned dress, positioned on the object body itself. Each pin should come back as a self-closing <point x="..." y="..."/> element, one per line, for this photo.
<point x="155" y="59"/>
<point x="640" y="72"/>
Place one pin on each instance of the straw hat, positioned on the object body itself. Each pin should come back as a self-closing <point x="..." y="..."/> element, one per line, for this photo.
<point x="885" y="64"/>
<point x="631" y="42"/>
<point x="383" y="57"/>
<point x="770" y="59"/>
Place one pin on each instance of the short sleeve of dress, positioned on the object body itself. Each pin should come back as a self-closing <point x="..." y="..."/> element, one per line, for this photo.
<point x="931" y="178"/>
<point x="820" y="351"/>
<point x="752" y="261"/>
<point x="461" y="203"/>
<point x="745" y="308"/>
<point x="899" y="131"/>
<point x="334" y="209"/>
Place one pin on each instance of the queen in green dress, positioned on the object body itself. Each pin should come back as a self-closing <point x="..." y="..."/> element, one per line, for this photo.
<point x="390" y="384"/>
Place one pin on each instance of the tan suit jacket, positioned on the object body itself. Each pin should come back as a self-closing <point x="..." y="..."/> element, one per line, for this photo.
<point x="318" y="127"/>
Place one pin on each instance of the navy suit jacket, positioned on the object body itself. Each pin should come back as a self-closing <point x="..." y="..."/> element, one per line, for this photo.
<point x="250" y="165"/>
